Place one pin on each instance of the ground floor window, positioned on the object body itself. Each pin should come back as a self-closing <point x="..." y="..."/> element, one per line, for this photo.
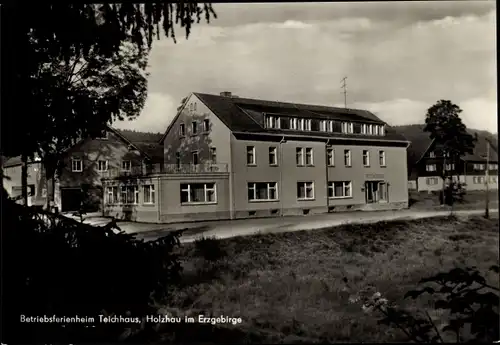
<point x="198" y="193"/>
<point x="478" y="179"/>
<point x="112" y="195"/>
<point x="129" y="195"/>
<point x="305" y="190"/>
<point x="431" y="181"/>
<point x="149" y="194"/>
<point x="262" y="191"/>
<point x="340" y="189"/>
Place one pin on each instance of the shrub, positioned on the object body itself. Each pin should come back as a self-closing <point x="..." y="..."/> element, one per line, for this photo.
<point x="209" y="248"/>
<point x="468" y="302"/>
<point x="53" y="265"/>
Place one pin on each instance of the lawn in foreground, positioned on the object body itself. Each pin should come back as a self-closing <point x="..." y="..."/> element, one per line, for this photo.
<point x="288" y="287"/>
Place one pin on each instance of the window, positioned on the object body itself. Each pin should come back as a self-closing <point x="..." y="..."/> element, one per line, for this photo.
<point x="299" y="156"/>
<point x="126" y="165"/>
<point x="182" y="130"/>
<point x="206" y="125"/>
<point x="375" y="129"/>
<point x="340" y="189"/>
<point x="250" y="155"/>
<point x="366" y="158"/>
<point x="195" y="157"/>
<point x="194" y="128"/>
<point x="330" y="156"/>
<point x="112" y="195"/>
<point x="272" y="122"/>
<point x="300" y="124"/>
<point x="493" y="179"/>
<point x="273" y="156"/>
<point x="363" y="129"/>
<point x="430" y="167"/>
<point x="76" y="165"/>
<point x="305" y="190"/>
<point x="381" y="130"/>
<point x="330" y="126"/>
<point x="178" y="159"/>
<point x="307" y="124"/>
<point x="309" y="156"/>
<point x="347" y="158"/>
<point x="478" y="166"/>
<point x="432" y="154"/>
<point x="449" y="167"/>
<point x="493" y="167"/>
<point x="381" y="158"/>
<point x="213" y="155"/>
<point x="149" y="194"/>
<point x="194" y="106"/>
<point x="370" y="129"/>
<point x="431" y="181"/>
<point x="102" y="166"/>
<point x="347" y="127"/>
<point x="293" y="123"/>
<point x="263" y="191"/>
<point x="323" y="125"/>
<point x="478" y="179"/>
<point x="130" y="195"/>
<point x="198" y="193"/>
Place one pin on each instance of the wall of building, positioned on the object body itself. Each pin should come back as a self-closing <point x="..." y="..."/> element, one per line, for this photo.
<point x="36" y="178"/>
<point x="113" y="149"/>
<point x="287" y="174"/>
<point x="218" y="136"/>
<point x="141" y="212"/>
<point x="473" y="182"/>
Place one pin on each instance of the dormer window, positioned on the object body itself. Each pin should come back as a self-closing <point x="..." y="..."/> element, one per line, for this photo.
<point x="382" y="130"/>
<point x="307" y="123"/>
<point x="363" y="128"/>
<point x="347" y="127"/>
<point x="300" y="124"/>
<point x="432" y="154"/>
<point x="323" y="125"/>
<point x="272" y="122"/>
<point x="330" y="126"/>
<point x="293" y="123"/>
<point x="370" y="129"/>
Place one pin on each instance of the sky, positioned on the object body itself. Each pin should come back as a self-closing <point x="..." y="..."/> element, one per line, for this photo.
<point x="399" y="59"/>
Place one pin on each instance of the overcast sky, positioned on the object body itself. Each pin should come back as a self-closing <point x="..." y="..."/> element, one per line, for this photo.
<point x="399" y="58"/>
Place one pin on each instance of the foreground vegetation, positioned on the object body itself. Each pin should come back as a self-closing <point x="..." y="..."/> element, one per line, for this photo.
<point x="290" y="287"/>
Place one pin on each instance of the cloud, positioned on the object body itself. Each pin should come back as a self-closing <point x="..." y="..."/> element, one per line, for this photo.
<point x="157" y="114"/>
<point x="399" y="65"/>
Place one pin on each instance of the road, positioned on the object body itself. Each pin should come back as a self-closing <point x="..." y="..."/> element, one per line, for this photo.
<point x="245" y="227"/>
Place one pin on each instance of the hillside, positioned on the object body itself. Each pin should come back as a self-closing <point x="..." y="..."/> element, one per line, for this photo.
<point x="420" y="141"/>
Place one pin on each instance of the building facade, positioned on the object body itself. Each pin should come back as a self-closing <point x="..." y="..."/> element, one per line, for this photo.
<point x="227" y="157"/>
<point x="37" y="189"/>
<point x="475" y="170"/>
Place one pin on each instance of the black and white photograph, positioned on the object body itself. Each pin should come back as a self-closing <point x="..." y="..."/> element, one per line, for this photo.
<point x="269" y="173"/>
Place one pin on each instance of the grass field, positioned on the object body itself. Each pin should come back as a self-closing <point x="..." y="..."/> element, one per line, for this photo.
<point x="288" y="287"/>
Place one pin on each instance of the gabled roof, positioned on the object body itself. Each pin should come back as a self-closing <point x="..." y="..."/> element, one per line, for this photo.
<point x="421" y="143"/>
<point x="139" y="137"/>
<point x="244" y="115"/>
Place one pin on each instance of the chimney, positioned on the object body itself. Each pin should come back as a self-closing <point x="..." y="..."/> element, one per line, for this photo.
<point x="225" y="94"/>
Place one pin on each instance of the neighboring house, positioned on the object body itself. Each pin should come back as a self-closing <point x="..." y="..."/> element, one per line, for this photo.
<point x="471" y="169"/>
<point x="227" y="157"/>
<point x="37" y="191"/>
<point x="116" y="153"/>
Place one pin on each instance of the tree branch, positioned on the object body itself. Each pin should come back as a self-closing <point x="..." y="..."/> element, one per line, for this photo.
<point x="434" y="326"/>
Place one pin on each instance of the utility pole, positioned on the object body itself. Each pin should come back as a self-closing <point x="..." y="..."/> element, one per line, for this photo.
<point x="344" y="86"/>
<point x="486" y="176"/>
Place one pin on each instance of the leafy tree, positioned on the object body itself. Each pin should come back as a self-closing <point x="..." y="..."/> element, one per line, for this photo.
<point x="74" y="68"/>
<point x="449" y="134"/>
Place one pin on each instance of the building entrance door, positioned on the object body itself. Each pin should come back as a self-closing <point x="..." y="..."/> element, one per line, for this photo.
<point x="375" y="192"/>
